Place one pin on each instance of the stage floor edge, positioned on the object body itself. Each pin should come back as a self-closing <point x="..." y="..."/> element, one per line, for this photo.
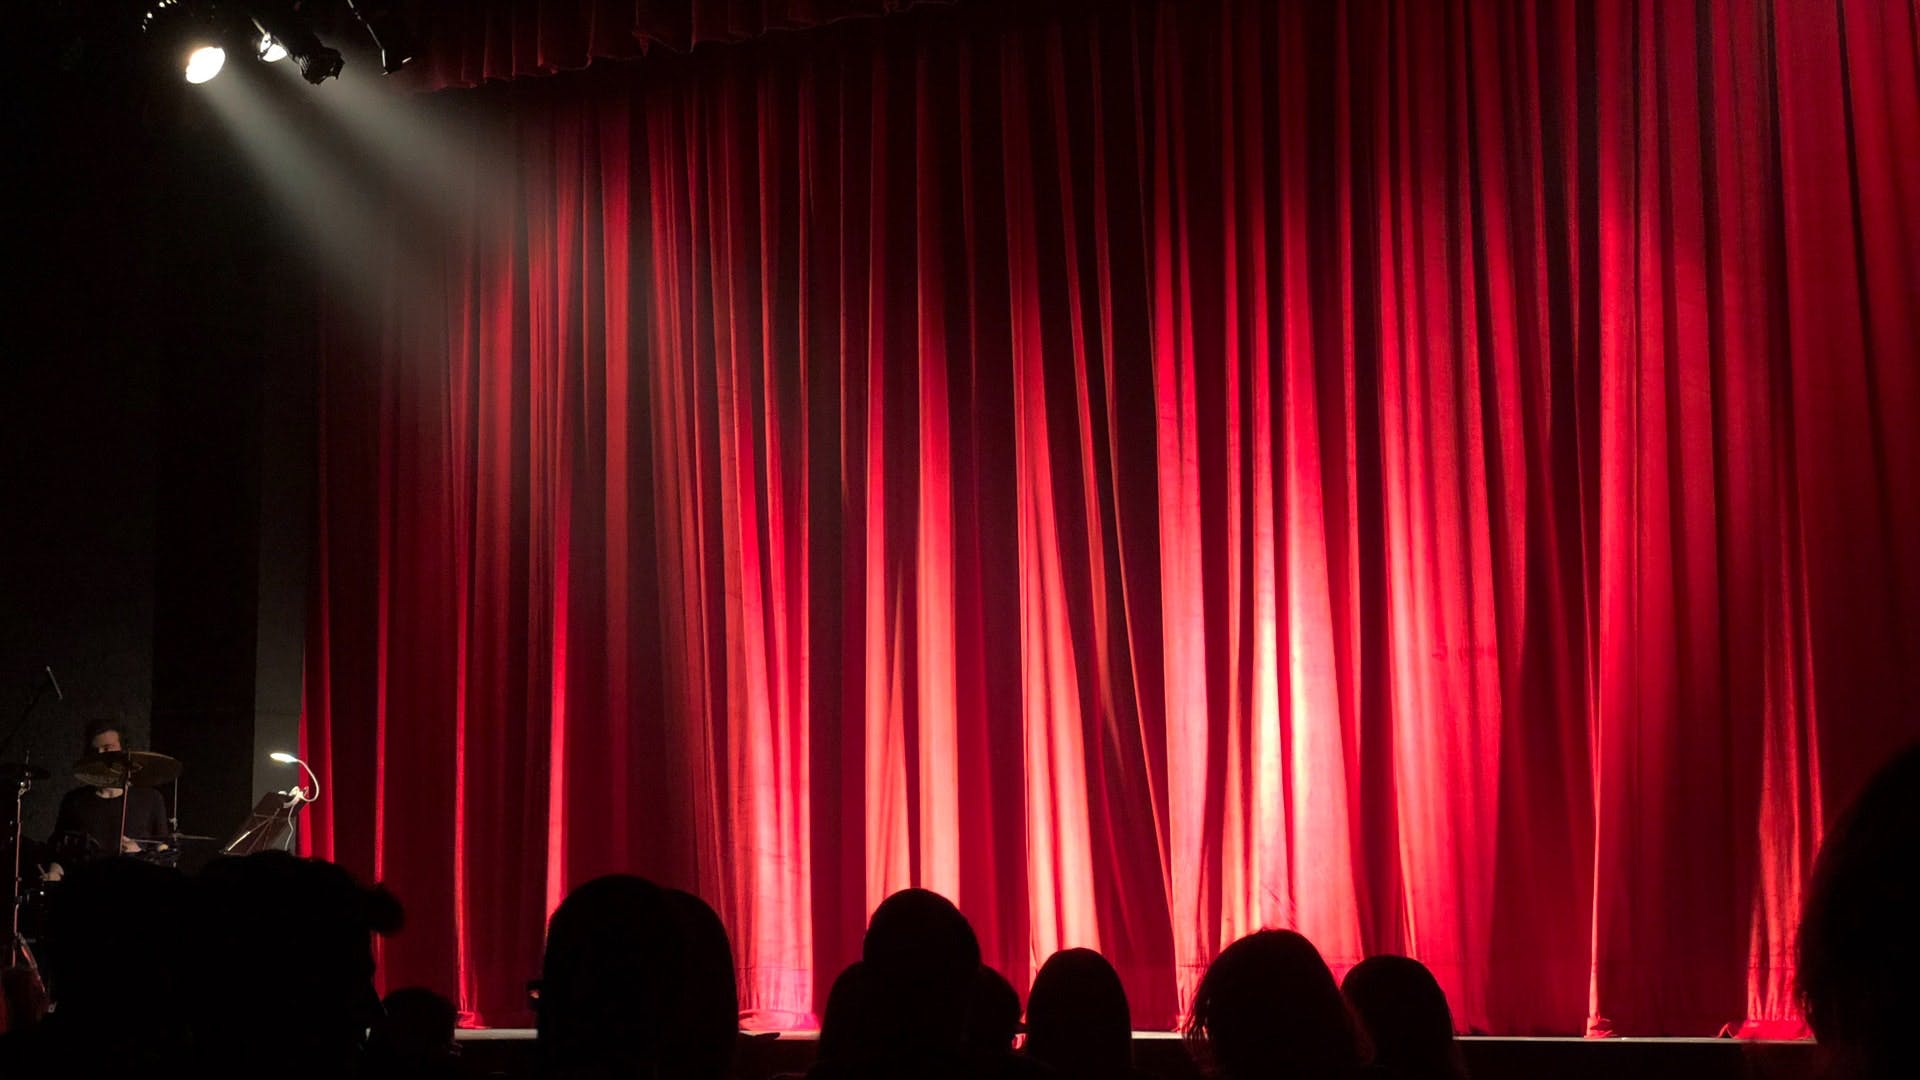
<point x="509" y="1053"/>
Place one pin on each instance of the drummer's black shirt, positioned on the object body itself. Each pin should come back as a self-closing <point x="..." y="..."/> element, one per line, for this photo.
<point x="91" y="824"/>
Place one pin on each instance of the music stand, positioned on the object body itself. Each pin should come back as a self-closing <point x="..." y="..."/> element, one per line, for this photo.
<point x="269" y="827"/>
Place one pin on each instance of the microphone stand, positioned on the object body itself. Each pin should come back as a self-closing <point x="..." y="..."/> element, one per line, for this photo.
<point x="17" y="945"/>
<point x="17" y="949"/>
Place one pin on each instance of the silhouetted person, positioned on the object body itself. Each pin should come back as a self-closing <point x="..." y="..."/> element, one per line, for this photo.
<point x="845" y="1029"/>
<point x="993" y="1023"/>
<point x="415" y="1037"/>
<point x="1078" y="1023"/>
<point x="282" y="962"/>
<point x="1404" y="1013"/>
<point x="600" y="1011"/>
<point x="1859" y="962"/>
<point x="919" y="963"/>
<point x="636" y="981"/>
<point x="1268" y="1009"/>
<point x="116" y="966"/>
<point x="705" y="1020"/>
<point x="995" y="1013"/>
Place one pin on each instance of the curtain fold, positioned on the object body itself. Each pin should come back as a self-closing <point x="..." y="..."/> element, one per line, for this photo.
<point x="1444" y="477"/>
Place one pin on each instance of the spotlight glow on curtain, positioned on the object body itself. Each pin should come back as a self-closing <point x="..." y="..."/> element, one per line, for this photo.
<point x="1444" y="477"/>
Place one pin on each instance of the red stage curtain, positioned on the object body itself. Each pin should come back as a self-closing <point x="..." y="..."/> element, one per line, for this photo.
<point x="468" y="42"/>
<point x="1441" y="476"/>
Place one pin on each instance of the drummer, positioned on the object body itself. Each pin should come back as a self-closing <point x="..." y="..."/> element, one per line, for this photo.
<point x="89" y="822"/>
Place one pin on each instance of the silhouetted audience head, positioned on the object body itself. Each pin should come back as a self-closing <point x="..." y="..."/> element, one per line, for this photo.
<point x="921" y="960"/>
<point x="601" y="1008"/>
<point x="415" y="1036"/>
<point x="91" y="956"/>
<point x="283" y="965"/>
<point x="636" y="980"/>
<point x="1859" y="962"/>
<point x="1268" y="1007"/>
<point x="91" y="946"/>
<point x="845" y="1029"/>
<point x="994" y="1015"/>
<point x="1078" y="1023"/>
<point x="1406" y="1019"/>
<point x="705" y="1021"/>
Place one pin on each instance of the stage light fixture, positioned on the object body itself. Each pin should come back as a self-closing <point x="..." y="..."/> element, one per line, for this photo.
<point x="189" y="32"/>
<point x="205" y="62"/>
<point x="388" y="31"/>
<point x="281" y="21"/>
<point x="200" y="32"/>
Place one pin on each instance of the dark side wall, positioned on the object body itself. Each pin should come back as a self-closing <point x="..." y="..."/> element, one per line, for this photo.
<point x="154" y="398"/>
<point x="76" y="588"/>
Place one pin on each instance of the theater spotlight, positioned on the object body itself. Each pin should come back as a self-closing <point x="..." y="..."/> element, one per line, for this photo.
<point x="388" y="31"/>
<point x="190" y="34"/>
<point x="280" y="21"/>
<point x="205" y="62"/>
<point x="271" y="51"/>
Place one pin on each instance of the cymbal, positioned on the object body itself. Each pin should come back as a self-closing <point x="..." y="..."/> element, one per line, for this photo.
<point x="148" y="769"/>
<point x="12" y="772"/>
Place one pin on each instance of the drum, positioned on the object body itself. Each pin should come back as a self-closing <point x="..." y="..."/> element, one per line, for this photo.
<point x="169" y="858"/>
<point x="70" y="849"/>
<point x="35" y="900"/>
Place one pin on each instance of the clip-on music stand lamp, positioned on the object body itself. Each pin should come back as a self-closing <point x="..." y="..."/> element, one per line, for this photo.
<point x="270" y="826"/>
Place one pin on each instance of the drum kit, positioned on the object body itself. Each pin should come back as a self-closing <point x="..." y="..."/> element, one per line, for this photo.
<point x="116" y="769"/>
